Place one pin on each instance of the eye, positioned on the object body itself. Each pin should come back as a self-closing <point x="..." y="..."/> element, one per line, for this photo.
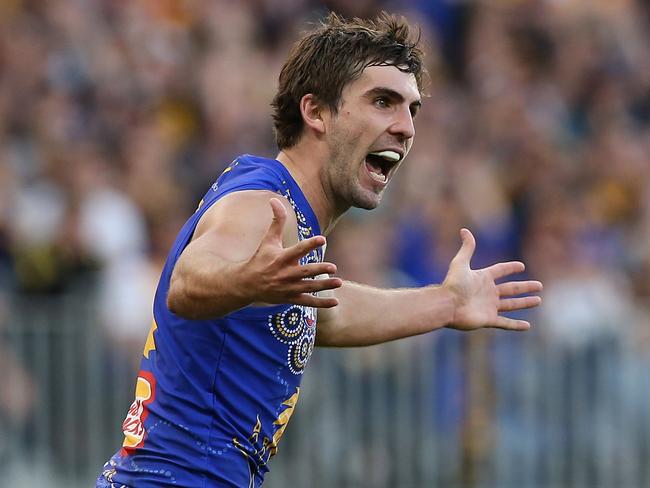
<point x="382" y="102"/>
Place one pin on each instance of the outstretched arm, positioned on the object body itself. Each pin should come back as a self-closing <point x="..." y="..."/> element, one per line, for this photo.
<point x="242" y="253"/>
<point x="467" y="299"/>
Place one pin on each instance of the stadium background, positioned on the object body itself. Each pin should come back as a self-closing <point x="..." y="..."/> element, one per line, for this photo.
<point x="115" y="116"/>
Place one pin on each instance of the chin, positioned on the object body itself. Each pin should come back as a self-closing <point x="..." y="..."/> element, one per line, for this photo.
<point x="366" y="205"/>
<point x="366" y="201"/>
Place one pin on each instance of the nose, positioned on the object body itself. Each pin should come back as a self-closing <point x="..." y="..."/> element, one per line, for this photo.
<point x="403" y="125"/>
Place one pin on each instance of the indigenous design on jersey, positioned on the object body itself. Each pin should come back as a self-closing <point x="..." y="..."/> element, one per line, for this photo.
<point x="108" y="472"/>
<point x="287" y="326"/>
<point x="300" y="352"/>
<point x="267" y="448"/>
<point x="304" y="229"/>
<point x="296" y="327"/>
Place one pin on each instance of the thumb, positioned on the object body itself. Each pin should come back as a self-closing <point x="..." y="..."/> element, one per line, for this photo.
<point x="466" y="251"/>
<point x="279" y="219"/>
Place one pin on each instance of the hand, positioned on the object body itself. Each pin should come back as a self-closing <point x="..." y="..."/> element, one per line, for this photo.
<point x="276" y="275"/>
<point x="479" y="300"/>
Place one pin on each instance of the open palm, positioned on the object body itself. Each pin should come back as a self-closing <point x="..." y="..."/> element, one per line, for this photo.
<point x="479" y="299"/>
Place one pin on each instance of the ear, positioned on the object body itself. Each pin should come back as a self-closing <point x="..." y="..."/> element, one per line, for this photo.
<point x="312" y="113"/>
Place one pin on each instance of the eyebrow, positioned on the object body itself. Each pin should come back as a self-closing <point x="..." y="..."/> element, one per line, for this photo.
<point x="392" y="94"/>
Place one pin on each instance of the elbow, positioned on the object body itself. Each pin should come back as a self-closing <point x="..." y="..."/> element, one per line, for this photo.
<point x="175" y="301"/>
<point x="189" y="303"/>
<point x="178" y="301"/>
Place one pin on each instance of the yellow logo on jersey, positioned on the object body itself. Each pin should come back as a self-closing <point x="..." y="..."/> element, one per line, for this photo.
<point x="269" y="446"/>
<point x="283" y="419"/>
<point x="133" y="425"/>
<point x="150" y="344"/>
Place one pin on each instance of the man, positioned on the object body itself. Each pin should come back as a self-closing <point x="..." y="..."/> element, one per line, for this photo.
<point x="246" y="294"/>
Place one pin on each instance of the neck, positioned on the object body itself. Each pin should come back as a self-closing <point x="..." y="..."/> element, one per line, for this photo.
<point x="307" y="168"/>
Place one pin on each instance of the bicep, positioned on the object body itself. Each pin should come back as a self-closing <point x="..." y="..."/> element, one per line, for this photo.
<point x="233" y="227"/>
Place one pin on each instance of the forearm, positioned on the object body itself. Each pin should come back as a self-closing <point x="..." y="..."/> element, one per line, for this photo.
<point x="206" y="287"/>
<point x="367" y="315"/>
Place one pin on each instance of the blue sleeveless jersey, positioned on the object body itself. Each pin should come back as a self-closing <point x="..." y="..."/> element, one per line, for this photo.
<point x="213" y="397"/>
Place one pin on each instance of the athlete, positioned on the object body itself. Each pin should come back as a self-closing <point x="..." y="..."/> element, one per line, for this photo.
<point x="246" y="292"/>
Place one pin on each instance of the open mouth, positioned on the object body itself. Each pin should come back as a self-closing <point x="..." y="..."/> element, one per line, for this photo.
<point x="380" y="163"/>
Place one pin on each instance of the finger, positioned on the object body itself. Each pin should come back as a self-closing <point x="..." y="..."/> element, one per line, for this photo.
<point x="279" y="219"/>
<point x="519" y="303"/>
<point x="500" y="270"/>
<point x="313" y="286"/>
<point x="512" y="288"/>
<point x="510" y="324"/>
<point x="297" y="251"/>
<point x="313" y="301"/>
<point x="312" y="270"/>
<point x="466" y="251"/>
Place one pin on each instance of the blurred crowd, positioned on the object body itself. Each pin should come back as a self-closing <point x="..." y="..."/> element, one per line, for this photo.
<point x="117" y="115"/>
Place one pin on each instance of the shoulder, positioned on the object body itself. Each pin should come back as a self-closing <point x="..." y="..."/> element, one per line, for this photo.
<point x="249" y="172"/>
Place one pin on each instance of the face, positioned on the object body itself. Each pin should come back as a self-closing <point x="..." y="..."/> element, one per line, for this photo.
<point x="370" y="135"/>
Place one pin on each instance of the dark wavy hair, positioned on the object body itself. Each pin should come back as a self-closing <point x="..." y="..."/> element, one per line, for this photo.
<point x="334" y="54"/>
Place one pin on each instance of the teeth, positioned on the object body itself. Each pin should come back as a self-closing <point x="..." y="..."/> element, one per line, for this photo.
<point x="378" y="176"/>
<point x="390" y="155"/>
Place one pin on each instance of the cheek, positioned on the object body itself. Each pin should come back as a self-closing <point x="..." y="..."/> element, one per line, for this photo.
<point x="338" y="133"/>
<point x="345" y="140"/>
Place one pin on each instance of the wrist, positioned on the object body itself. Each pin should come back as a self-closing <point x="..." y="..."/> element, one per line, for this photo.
<point x="241" y="282"/>
<point x="438" y="307"/>
<point x="448" y="299"/>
